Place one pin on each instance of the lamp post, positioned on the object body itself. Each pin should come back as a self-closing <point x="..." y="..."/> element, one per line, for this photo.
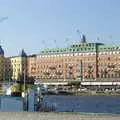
<point x="9" y="79"/>
<point x="81" y="70"/>
<point x="24" y="80"/>
<point x="70" y="71"/>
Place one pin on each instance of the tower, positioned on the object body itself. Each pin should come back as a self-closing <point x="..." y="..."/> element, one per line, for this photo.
<point x="19" y="65"/>
<point x="83" y="39"/>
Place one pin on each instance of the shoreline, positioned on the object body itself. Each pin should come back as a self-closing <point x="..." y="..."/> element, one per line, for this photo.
<point x="85" y="94"/>
<point x="56" y="116"/>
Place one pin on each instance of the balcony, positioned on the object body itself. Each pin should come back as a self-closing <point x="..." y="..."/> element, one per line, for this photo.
<point x="70" y="66"/>
<point x="52" y="67"/>
<point x="46" y="73"/>
<point x="58" y="73"/>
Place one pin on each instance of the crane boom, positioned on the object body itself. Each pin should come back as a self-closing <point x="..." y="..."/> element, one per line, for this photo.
<point x="3" y="18"/>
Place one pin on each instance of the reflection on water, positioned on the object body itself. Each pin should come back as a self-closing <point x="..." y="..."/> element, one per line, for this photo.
<point x="82" y="104"/>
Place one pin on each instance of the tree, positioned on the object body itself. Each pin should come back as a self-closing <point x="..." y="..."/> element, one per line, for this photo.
<point x="75" y="83"/>
<point x="28" y="80"/>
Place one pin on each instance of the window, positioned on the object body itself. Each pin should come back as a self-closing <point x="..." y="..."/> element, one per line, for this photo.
<point x="108" y="58"/>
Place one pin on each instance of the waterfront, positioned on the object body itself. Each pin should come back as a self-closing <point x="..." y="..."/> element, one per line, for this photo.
<point x="55" y="116"/>
<point x="85" y="104"/>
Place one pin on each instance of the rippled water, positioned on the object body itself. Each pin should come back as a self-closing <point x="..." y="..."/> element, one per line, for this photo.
<point x="92" y="104"/>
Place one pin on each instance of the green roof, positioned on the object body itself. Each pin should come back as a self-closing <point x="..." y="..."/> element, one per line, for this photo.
<point x="81" y="47"/>
<point x="108" y="47"/>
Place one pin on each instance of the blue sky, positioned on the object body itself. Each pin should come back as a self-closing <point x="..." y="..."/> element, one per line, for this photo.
<point x="30" y="22"/>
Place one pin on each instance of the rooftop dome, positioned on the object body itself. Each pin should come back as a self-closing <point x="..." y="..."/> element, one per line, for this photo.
<point x="1" y="50"/>
<point x="23" y="54"/>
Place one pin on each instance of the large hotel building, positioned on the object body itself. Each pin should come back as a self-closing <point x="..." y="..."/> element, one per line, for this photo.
<point x="79" y="61"/>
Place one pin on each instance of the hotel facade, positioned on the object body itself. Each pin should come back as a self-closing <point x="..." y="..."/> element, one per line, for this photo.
<point x="81" y="61"/>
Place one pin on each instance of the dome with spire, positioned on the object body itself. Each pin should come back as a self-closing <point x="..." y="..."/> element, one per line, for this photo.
<point x="23" y="54"/>
<point x="1" y="50"/>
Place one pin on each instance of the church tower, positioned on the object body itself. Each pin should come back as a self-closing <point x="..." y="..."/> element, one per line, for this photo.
<point x="23" y="56"/>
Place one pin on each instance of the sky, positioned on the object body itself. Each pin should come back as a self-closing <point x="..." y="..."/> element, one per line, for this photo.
<point x="36" y="24"/>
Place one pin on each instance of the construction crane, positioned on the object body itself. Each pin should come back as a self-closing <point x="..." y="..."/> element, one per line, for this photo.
<point x="3" y="18"/>
<point x="43" y="42"/>
<point x="66" y="41"/>
<point x="79" y="33"/>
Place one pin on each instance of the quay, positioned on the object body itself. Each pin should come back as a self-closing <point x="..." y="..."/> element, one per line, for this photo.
<point x="56" y="116"/>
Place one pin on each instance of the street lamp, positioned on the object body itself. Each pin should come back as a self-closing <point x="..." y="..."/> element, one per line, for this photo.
<point x="24" y="79"/>
<point x="81" y="71"/>
<point x="70" y="66"/>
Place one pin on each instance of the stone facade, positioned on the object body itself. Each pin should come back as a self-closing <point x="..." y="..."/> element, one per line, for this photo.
<point x="15" y="66"/>
<point x="80" y="61"/>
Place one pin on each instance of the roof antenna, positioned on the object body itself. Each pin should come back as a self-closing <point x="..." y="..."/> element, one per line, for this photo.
<point x="82" y="37"/>
<point x="55" y="42"/>
<point x="79" y="33"/>
<point x="83" y="40"/>
<point x="43" y="42"/>
<point x="66" y="41"/>
<point x="98" y="39"/>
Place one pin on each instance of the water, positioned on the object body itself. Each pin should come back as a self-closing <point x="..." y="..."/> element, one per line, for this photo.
<point x="9" y="103"/>
<point x="93" y="104"/>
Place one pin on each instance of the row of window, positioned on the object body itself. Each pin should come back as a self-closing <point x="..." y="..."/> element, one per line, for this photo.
<point x="109" y="58"/>
<point x="109" y="76"/>
<point x="64" y="61"/>
<point x="79" y="54"/>
<point x="109" y="53"/>
<point x="107" y="64"/>
<point x="70" y="50"/>
<point x="66" y="55"/>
